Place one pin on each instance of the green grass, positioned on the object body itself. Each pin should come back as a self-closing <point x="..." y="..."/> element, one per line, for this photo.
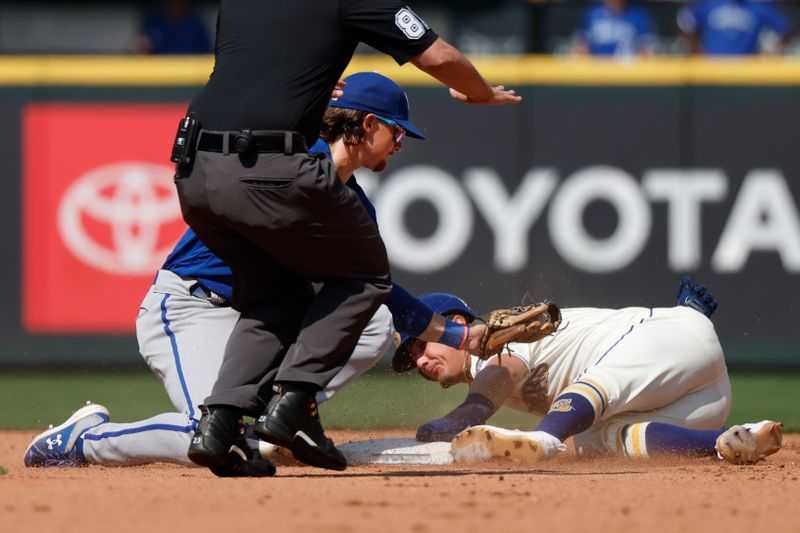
<point x="377" y="400"/>
<point x="3" y="471"/>
<point x="772" y="396"/>
<point x="33" y="400"/>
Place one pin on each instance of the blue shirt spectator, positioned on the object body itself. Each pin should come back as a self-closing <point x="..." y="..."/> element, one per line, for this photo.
<point x="614" y="28"/>
<point x="176" y="28"/>
<point x="730" y="27"/>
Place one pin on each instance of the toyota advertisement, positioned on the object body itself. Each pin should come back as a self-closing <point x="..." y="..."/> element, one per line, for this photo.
<point x="100" y="213"/>
<point x="586" y="196"/>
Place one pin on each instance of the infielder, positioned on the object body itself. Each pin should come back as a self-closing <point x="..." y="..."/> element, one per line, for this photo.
<point x="185" y="318"/>
<point x="634" y="382"/>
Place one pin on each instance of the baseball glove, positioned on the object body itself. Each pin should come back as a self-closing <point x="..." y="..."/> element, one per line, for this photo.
<point x="525" y="323"/>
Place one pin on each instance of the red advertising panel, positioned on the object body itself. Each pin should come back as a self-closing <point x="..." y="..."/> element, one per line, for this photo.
<point x="100" y="213"/>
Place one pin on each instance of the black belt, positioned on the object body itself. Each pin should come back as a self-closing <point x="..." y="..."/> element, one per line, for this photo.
<point x="246" y="141"/>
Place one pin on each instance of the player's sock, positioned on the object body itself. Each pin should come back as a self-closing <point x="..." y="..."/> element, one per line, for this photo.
<point x="569" y="414"/>
<point x="654" y="438"/>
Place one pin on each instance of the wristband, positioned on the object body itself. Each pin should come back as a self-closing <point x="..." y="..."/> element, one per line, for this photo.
<point x="454" y="335"/>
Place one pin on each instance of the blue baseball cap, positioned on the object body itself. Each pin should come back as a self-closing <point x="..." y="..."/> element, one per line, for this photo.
<point x="439" y="302"/>
<point x="377" y="94"/>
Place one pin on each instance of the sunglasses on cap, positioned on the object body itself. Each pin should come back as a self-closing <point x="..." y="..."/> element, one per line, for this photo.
<point x="399" y="132"/>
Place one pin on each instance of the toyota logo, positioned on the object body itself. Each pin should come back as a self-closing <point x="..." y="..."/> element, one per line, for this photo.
<point x="131" y="202"/>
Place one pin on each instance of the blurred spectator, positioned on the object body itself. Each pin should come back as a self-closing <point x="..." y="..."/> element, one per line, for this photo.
<point x="731" y="27"/>
<point x="614" y="28"/>
<point x="175" y="28"/>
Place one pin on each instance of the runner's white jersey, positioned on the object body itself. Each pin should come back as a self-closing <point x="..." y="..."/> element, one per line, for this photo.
<point x="585" y="335"/>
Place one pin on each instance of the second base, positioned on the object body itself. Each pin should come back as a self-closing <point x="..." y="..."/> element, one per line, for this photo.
<point x="397" y="452"/>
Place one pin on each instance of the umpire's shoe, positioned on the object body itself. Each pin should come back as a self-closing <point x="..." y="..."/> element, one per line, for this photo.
<point x="219" y="427"/>
<point x="292" y="420"/>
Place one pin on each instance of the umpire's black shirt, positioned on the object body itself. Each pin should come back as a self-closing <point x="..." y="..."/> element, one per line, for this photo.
<point x="277" y="61"/>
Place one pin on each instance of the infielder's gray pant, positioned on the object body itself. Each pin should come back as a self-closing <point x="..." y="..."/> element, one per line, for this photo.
<point x="182" y="338"/>
<point x="281" y="221"/>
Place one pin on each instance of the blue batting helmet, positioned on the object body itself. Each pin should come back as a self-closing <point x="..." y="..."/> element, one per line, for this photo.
<point x="439" y="302"/>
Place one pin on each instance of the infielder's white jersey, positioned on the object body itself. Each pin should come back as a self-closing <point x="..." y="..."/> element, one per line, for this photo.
<point x="637" y="364"/>
<point x="182" y="338"/>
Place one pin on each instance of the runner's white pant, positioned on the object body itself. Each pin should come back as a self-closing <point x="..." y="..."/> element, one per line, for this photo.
<point x="182" y="338"/>
<point x="668" y="368"/>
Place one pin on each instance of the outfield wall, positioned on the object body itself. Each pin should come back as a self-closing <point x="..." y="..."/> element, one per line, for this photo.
<point x="601" y="189"/>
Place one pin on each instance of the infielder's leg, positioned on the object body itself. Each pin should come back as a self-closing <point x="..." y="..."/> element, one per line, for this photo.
<point x="183" y="338"/>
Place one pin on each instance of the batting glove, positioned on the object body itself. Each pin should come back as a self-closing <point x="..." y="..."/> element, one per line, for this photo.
<point x="695" y="296"/>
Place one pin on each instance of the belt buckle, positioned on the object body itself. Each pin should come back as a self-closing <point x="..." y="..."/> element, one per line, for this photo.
<point x="244" y="142"/>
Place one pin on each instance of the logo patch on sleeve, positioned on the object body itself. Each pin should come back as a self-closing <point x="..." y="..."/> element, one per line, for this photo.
<point x="561" y="406"/>
<point x="410" y="24"/>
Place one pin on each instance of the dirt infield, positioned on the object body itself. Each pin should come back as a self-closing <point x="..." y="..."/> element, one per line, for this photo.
<point x="567" y="494"/>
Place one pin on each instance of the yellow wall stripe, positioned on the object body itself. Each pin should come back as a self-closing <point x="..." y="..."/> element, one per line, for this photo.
<point x="104" y="70"/>
<point x="508" y="70"/>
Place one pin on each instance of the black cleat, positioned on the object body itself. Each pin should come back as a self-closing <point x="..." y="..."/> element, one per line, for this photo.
<point x="219" y="427"/>
<point x="292" y="421"/>
<point x="244" y="461"/>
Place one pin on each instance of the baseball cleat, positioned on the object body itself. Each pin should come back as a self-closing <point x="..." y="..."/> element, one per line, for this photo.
<point x="750" y="443"/>
<point x="292" y="421"/>
<point x="63" y="445"/>
<point x="481" y="443"/>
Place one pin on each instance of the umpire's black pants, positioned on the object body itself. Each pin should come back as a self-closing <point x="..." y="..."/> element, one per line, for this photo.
<point x="280" y="222"/>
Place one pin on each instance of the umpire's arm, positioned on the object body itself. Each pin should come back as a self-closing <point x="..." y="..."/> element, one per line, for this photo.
<point x="445" y="63"/>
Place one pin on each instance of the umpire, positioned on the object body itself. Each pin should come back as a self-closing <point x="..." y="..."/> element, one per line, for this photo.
<point x="281" y="218"/>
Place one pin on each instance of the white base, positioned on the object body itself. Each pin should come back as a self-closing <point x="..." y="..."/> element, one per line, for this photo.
<point x="397" y="452"/>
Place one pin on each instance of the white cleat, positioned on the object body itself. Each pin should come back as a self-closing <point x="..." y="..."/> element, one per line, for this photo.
<point x="482" y="443"/>
<point x="750" y="443"/>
